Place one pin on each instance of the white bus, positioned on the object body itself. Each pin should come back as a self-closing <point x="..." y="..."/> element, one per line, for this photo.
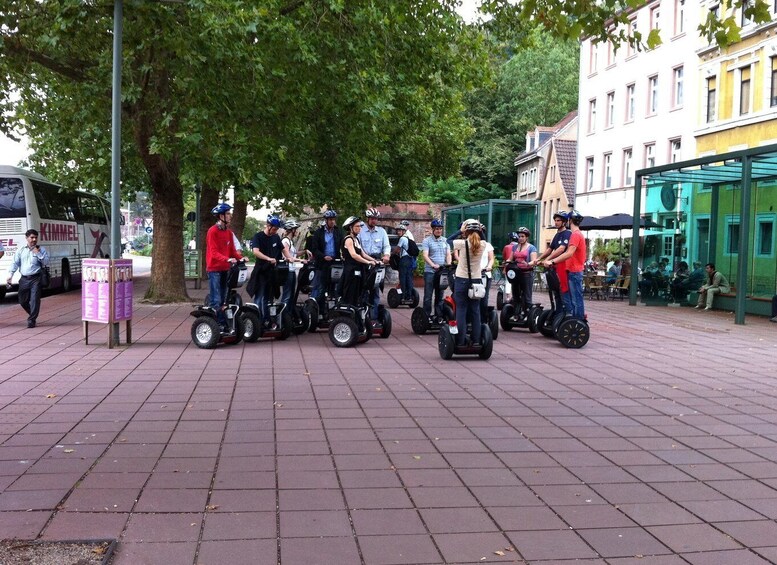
<point x="71" y="225"/>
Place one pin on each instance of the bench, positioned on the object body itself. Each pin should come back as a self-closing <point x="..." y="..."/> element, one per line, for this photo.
<point x="720" y="299"/>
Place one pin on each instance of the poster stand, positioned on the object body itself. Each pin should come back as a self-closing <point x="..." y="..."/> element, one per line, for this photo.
<point x="106" y="296"/>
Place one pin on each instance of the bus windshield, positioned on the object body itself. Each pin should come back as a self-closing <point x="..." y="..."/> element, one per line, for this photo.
<point x="12" y="198"/>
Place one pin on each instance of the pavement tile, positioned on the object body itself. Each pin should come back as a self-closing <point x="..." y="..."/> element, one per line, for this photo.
<point x="721" y="510"/>
<point x="85" y="525"/>
<point x="31" y="499"/>
<point x="239" y="525"/>
<point x="738" y="556"/>
<point x="306" y="551"/>
<point x="692" y="537"/>
<point x="22" y="524"/>
<point x="172" y="500"/>
<point x="457" y="520"/>
<point x="623" y="542"/>
<point x="387" y="522"/>
<point x="84" y="499"/>
<point x="550" y="544"/>
<point x="593" y="516"/>
<point x="442" y="497"/>
<point x="319" y="523"/>
<point x="399" y="550"/>
<point x="163" y="527"/>
<point x="474" y="548"/>
<point x="377" y="498"/>
<point x="170" y="553"/>
<point x="506" y="496"/>
<point x="754" y="533"/>
<point x="657" y="513"/>
<point x="243" y="500"/>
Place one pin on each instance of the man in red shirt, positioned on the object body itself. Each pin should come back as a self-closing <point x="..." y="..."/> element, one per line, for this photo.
<point x="574" y="256"/>
<point x="220" y="254"/>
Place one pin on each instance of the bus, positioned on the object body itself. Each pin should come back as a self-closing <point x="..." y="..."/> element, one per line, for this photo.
<point x="71" y="225"/>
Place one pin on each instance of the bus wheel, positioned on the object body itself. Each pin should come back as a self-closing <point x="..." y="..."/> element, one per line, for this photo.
<point x="67" y="279"/>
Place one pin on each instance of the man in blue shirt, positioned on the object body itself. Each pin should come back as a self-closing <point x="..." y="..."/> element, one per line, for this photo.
<point x="375" y="243"/>
<point x="436" y="252"/>
<point x="325" y="246"/>
<point x="29" y="260"/>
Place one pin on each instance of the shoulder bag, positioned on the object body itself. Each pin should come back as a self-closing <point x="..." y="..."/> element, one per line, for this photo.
<point x="476" y="291"/>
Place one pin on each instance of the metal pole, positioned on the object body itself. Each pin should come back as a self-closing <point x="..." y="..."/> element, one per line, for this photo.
<point x="633" y="285"/>
<point x="116" y="144"/>
<point x="744" y="240"/>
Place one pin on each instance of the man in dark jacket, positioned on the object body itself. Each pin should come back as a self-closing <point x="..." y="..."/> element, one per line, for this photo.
<point x="325" y="246"/>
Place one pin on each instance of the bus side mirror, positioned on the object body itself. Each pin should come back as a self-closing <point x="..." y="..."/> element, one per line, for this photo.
<point x="191" y="217"/>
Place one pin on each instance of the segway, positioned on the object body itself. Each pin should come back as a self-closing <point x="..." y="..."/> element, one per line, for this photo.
<point x="395" y="298"/>
<point x="206" y="331"/>
<point x="420" y="321"/>
<point x="514" y="313"/>
<point x="280" y="322"/>
<point x="571" y="332"/>
<point x="446" y="342"/>
<point x="352" y="324"/>
<point x="320" y="309"/>
<point x="299" y="312"/>
<point x="381" y="325"/>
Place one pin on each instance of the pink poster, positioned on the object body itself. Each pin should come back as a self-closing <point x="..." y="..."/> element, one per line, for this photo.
<point x="103" y="302"/>
<point x="89" y="301"/>
<point x="95" y="293"/>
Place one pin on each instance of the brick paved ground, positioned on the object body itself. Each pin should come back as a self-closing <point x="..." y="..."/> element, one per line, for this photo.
<point x="655" y="444"/>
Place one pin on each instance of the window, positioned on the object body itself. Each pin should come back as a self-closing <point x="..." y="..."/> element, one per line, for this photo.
<point x="631" y="33"/>
<point x="715" y="13"/>
<point x="553" y="173"/>
<point x="608" y="170"/>
<point x="630" y="103"/>
<point x="773" y="97"/>
<point x="593" y="53"/>
<point x="711" y="101"/>
<point x="674" y="150"/>
<point x="731" y="245"/>
<point x="610" y="109"/>
<point x="653" y="95"/>
<point x="610" y="53"/>
<point x="745" y="20"/>
<point x="589" y="174"/>
<point x="592" y="115"/>
<point x="650" y="155"/>
<point x="679" y="17"/>
<point x="628" y="180"/>
<point x="744" y="91"/>
<point x="677" y="89"/>
<point x="655" y="15"/>
<point x="764" y="235"/>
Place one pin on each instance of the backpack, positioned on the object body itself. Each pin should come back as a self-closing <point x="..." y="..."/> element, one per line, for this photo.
<point x="412" y="248"/>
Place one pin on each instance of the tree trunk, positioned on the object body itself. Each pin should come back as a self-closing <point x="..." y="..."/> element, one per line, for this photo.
<point x="239" y="219"/>
<point x="208" y="199"/>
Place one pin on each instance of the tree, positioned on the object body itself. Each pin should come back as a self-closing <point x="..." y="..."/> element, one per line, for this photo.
<point x="313" y="102"/>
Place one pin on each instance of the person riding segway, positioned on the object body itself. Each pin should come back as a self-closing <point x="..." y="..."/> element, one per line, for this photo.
<point x="572" y="330"/>
<point x="219" y="321"/>
<point x="555" y="275"/>
<point x="299" y="314"/>
<point x="351" y="316"/>
<point x="519" y="311"/>
<point x="403" y="262"/>
<point x="436" y="254"/>
<point x="325" y="246"/>
<point x="468" y="292"/>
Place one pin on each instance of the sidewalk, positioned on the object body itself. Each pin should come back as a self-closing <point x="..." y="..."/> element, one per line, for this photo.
<point x="654" y="444"/>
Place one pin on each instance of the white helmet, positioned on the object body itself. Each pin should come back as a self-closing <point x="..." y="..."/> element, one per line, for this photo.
<point x="291" y="225"/>
<point x="351" y="220"/>
<point x="471" y="225"/>
<point x="372" y="213"/>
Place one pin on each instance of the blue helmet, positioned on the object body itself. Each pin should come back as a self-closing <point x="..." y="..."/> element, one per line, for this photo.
<point x="513" y="235"/>
<point x="436" y="223"/>
<point x="330" y="214"/>
<point x="274" y="221"/>
<point x="219" y="209"/>
<point x="561" y="214"/>
<point x="576" y="217"/>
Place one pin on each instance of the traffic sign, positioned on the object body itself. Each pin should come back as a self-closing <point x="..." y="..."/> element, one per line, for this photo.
<point x="149" y="230"/>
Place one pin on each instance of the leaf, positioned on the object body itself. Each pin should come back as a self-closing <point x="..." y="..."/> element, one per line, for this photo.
<point x="500" y="553"/>
<point x="211" y="507"/>
<point x="68" y="450"/>
<point x="52" y="395"/>
<point x="417" y="457"/>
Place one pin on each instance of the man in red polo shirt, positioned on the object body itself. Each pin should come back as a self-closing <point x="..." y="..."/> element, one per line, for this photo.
<point x="574" y="256"/>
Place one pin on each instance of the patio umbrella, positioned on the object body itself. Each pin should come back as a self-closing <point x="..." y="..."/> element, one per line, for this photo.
<point x="615" y="222"/>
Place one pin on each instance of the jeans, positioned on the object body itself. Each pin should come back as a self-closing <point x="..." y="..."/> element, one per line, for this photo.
<point x="406" y="276"/>
<point x="262" y="296"/>
<point x="217" y="285"/>
<point x="577" y="306"/>
<point x="428" y="292"/>
<point x="523" y="287"/>
<point x="29" y="296"/>
<point x="289" y="288"/>
<point x="466" y="306"/>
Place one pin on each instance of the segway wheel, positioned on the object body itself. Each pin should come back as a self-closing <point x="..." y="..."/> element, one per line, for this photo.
<point x="500" y="302"/>
<point x="252" y="327"/>
<point x="393" y="298"/>
<point x="534" y="316"/>
<point x="205" y="332"/>
<point x="445" y="343"/>
<point x="487" y="341"/>
<point x="557" y="322"/>
<point x="287" y="325"/>
<point x="504" y="317"/>
<point x="493" y="323"/>
<point x="301" y="320"/>
<point x="368" y="328"/>
<point x="384" y="317"/>
<point x="419" y="321"/>
<point x="573" y="333"/>
<point x="416" y="299"/>
<point x="448" y="313"/>
<point x="312" y="308"/>
<point x="545" y="323"/>
<point x="343" y="332"/>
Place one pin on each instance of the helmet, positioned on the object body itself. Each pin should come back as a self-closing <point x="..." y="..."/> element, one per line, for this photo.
<point x="291" y="225"/>
<point x="524" y="230"/>
<point x="405" y="222"/>
<point x="351" y="220"/>
<point x="219" y="209"/>
<point x="274" y="221"/>
<point x="436" y="223"/>
<point x="471" y="225"/>
<point x="372" y="213"/>
<point x="561" y="214"/>
<point x="330" y="214"/>
<point x="513" y="235"/>
<point x="576" y="216"/>
<point x="401" y="226"/>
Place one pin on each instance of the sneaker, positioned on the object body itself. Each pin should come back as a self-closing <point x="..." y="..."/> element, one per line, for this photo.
<point x="697" y="307"/>
<point x="708" y="308"/>
<point x="31" y="324"/>
<point x="773" y="319"/>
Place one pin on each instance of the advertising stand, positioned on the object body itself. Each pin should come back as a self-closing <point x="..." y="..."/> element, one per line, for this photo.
<point x="106" y="295"/>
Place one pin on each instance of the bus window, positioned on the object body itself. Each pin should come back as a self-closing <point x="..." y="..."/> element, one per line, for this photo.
<point x="52" y="204"/>
<point x="12" y="203"/>
<point x="90" y="209"/>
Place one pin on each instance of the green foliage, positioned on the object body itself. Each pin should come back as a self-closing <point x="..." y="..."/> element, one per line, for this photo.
<point x="251" y="227"/>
